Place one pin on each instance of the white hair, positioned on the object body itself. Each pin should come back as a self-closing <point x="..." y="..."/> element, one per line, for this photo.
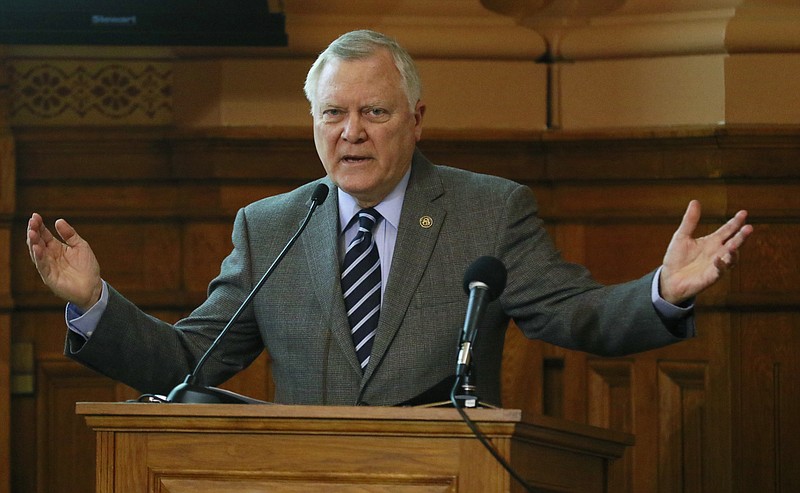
<point x="357" y="45"/>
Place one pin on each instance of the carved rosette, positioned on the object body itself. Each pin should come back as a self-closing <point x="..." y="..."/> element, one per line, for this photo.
<point x="60" y="92"/>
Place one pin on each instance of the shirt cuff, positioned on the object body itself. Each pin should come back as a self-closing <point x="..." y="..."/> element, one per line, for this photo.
<point x="82" y="323"/>
<point x="664" y="308"/>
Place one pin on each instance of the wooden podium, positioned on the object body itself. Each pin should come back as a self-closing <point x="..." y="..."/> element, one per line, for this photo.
<point x="203" y="448"/>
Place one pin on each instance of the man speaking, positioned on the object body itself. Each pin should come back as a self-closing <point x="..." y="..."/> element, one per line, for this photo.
<point x="366" y="308"/>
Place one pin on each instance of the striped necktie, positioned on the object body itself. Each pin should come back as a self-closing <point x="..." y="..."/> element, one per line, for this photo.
<point x="361" y="285"/>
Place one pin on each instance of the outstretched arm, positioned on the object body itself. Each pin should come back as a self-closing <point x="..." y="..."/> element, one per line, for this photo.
<point x="67" y="266"/>
<point x="693" y="264"/>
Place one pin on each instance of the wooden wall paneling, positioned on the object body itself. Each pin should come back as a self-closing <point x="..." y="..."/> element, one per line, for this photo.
<point x="142" y="259"/>
<point x="644" y="458"/>
<point x="767" y="441"/>
<point x="599" y="195"/>
<point x="136" y="256"/>
<point x="563" y="387"/>
<point x="766" y="341"/>
<point x="66" y="447"/>
<point x="769" y="269"/>
<point x="718" y="418"/>
<point x="23" y="442"/>
<point x="690" y="432"/>
<point x="768" y="152"/>
<point x="6" y="367"/>
<point x="522" y="373"/>
<point x="635" y="155"/>
<point x="651" y="395"/>
<point x="93" y="154"/>
<point x="5" y="400"/>
<point x="7" y="208"/>
<point x="520" y="157"/>
<point x="610" y="404"/>
<point x="682" y="386"/>
<point x="97" y="185"/>
<point x="553" y="383"/>
<point x="8" y="170"/>
<point x="237" y="155"/>
<point x="205" y="245"/>
<point x="618" y="238"/>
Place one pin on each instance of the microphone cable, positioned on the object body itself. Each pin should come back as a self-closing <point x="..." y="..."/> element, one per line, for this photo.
<point x="486" y="443"/>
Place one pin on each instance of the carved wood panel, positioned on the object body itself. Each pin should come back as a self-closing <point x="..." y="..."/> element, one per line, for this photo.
<point x="610" y="403"/>
<point x="767" y="441"/>
<point x="683" y="447"/>
<point x="66" y="447"/>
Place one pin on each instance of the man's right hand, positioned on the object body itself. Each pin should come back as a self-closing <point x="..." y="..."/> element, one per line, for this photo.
<point x="69" y="267"/>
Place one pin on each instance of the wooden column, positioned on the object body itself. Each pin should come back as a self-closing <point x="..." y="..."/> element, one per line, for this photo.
<point x="7" y="191"/>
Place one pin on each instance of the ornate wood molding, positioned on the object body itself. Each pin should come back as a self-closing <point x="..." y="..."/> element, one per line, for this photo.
<point x="89" y="92"/>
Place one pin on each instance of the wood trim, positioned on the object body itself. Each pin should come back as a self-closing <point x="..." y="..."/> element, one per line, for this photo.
<point x="369" y="421"/>
<point x="683" y="442"/>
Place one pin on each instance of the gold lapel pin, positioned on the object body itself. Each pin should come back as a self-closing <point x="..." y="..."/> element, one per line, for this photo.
<point x="426" y="221"/>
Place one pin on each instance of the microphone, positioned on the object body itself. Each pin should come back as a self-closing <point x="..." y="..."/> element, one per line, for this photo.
<point x="484" y="280"/>
<point x="190" y="391"/>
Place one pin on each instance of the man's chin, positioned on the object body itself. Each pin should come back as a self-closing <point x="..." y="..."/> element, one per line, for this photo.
<point x="364" y="195"/>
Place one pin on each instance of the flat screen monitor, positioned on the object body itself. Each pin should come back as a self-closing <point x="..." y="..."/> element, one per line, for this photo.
<point x="141" y="22"/>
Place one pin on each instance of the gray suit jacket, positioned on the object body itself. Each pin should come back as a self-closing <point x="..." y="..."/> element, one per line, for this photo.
<point x="299" y="315"/>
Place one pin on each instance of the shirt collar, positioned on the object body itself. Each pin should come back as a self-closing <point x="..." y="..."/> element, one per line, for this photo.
<point x="390" y="207"/>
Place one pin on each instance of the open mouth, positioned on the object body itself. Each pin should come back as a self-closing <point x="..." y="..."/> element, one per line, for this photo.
<point x="355" y="159"/>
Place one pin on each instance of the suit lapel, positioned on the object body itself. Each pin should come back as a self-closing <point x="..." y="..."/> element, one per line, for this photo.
<point x="321" y="246"/>
<point x="420" y="223"/>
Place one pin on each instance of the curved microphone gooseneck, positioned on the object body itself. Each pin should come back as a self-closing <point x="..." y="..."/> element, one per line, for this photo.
<point x="190" y="391"/>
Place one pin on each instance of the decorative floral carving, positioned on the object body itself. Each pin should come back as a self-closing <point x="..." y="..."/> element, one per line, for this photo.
<point x="66" y="92"/>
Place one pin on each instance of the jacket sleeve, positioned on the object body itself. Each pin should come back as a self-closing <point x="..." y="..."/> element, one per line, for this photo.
<point x="559" y="302"/>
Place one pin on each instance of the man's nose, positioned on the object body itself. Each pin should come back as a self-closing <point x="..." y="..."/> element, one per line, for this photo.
<point x="354" y="130"/>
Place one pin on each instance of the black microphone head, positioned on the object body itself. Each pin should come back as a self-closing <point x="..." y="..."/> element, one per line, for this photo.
<point x="490" y="271"/>
<point x="320" y="194"/>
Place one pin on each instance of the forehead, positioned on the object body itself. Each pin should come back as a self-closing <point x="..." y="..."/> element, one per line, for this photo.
<point x="371" y="77"/>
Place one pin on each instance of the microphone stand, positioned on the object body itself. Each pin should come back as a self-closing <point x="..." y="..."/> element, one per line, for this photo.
<point x="463" y="392"/>
<point x="484" y="280"/>
<point x="468" y="397"/>
<point x="191" y="391"/>
<point x="481" y="437"/>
